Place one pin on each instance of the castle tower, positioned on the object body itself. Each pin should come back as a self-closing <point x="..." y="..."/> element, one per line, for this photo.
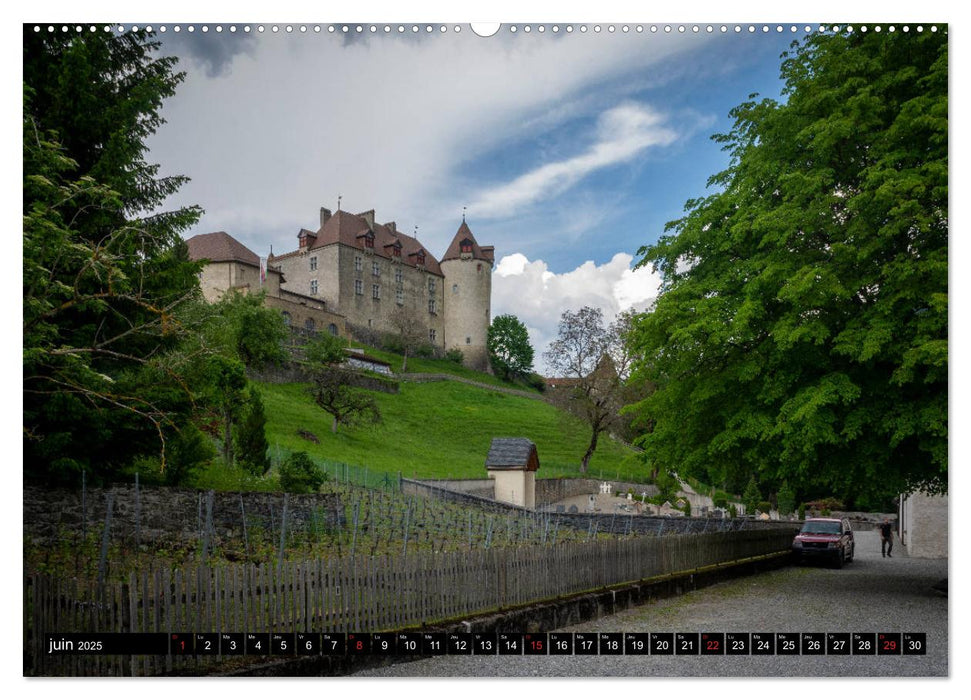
<point x="467" y="269"/>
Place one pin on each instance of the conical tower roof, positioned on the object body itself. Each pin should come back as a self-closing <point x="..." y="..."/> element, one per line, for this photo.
<point x="464" y="237"/>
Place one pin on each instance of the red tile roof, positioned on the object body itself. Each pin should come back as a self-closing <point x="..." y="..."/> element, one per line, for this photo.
<point x="220" y="247"/>
<point x="350" y="230"/>
<point x="454" y="251"/>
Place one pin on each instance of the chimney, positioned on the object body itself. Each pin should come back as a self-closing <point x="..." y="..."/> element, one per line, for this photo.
<point x="393" y="226"/>
<point x="369" y="217"/>
<point x="324" y="216"/>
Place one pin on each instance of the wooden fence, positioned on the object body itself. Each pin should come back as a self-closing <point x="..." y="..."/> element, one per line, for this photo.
<point x="353" y="594"/>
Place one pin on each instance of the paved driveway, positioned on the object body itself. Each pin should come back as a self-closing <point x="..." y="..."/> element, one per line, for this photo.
<point x="872" y="594"/>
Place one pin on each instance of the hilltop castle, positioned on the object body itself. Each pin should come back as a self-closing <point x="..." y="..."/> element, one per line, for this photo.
<point x="360" y="279"/>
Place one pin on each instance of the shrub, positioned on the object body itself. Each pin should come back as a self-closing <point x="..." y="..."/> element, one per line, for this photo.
<point x="802" y="511"/>
<point x="732" y="511"/>
<point x="189" y="450"/>
<point x="764" y="506"/>
<point x="455" y="355"/>
<point x="536" y="381"/>
<point x="299" y="474"/>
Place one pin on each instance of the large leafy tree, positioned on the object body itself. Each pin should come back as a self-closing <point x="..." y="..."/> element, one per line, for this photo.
<point x="510" y="351"/>
<point x="105" y="270"/>
<point x="801" y="332"/>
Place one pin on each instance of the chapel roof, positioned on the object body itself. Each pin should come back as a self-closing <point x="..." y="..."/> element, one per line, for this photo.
<point x="512" y="453"/>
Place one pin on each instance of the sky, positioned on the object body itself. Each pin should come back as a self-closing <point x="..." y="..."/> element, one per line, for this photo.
<point x="567" y="150"/>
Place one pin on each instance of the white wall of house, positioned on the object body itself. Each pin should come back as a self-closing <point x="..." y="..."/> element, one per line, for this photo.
<point x="923" y="525"/>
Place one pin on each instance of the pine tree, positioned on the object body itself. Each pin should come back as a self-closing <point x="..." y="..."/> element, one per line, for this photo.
<point x="252" y="447"/>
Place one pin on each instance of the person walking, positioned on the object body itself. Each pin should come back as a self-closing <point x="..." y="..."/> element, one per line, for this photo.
<point x="886" y="538"/>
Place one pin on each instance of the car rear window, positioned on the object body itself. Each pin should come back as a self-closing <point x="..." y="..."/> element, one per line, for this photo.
<point x="821" y="528"/>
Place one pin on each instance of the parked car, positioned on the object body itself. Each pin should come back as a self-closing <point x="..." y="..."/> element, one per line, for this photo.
<point x="825" y="538"/>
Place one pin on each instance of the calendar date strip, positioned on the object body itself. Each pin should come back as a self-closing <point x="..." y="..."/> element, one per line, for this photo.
<point x="488" y="643"/>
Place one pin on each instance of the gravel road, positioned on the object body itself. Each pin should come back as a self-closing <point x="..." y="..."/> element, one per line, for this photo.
<point x="871" y="594"/>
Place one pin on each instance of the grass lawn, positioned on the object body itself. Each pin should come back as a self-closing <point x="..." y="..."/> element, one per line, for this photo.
<point x="442" y="430"/>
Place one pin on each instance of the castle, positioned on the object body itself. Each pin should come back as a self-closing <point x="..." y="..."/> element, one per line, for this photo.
<point x="361" y="279"/>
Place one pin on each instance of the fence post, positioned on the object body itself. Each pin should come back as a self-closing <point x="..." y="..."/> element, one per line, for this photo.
<point x="242" y="511"/>
<point x="138" y="515"/>
<point x="103" y="561"/>
<point x="283" y="529"/>
<point x="84" y="504"/>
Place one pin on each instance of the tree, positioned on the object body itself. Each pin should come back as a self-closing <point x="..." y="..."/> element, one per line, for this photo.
<point x="786" y="499"/>
<point x="751" y="497"/>
<point x="253" y="332"/>
<point x="332" y="390"/>
<point x="593" y="359"/>
<point x="227" y="378"/>
<point x="251" y="444"/>
<point x="410" y="330"/>
<point x="510" y="352"/>
<point x="801" y="329"/>
<point x="325" y="349"/>
<point x="299" y="474"/>
<point x="105" y="270"/>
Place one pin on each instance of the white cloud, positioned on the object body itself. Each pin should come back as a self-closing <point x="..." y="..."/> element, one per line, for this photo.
<point x="538" y="297"/>
<point x="623" y="132"/>
<point x="388" y="123"/>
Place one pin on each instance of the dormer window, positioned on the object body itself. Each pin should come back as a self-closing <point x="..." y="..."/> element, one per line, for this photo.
<point x="420" y="258"/>
<point x="369" y="240"/>
<point x="465" y="247"/>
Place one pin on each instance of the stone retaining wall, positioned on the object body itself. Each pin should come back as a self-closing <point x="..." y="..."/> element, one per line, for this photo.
<point x="164" y="515"/>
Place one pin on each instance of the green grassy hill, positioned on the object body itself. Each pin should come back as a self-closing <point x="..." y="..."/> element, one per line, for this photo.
<point x="441" y="430"/>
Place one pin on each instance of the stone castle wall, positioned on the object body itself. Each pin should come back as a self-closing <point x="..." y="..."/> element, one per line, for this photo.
<point x="468" y="310"/>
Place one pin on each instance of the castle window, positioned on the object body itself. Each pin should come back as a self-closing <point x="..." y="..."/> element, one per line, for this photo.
<point x="313" y="287"/>
<point x="358" y="263"/>
<point x="309" y="324"/>
<point x="465" y="246"/>
<point x="468" y="340"/>
<point x="399" y="297"/>
<point x="431" y="335"/>
<point x="455" y="289"/>
<point x="286" y="319"/>
<point x="431" y="286"/>
<point x="332" y="328"/>
<point x="376" y="269"/>
<point x="397" y="275"/>
<point x="358" y="287"/>
<point x="369" y="241"/>
<point x="313" y="263"/>
<point x="375" y="291"/>
<point x="431" y="306"/>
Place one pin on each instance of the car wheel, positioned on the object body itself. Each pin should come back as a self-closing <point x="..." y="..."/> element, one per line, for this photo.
<point x="840" y="559"/>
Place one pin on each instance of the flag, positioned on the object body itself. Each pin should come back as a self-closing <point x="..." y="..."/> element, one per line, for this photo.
<point x="262" y="271"/>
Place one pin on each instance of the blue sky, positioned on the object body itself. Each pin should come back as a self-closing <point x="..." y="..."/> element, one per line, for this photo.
<point x="568" y="150"/>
